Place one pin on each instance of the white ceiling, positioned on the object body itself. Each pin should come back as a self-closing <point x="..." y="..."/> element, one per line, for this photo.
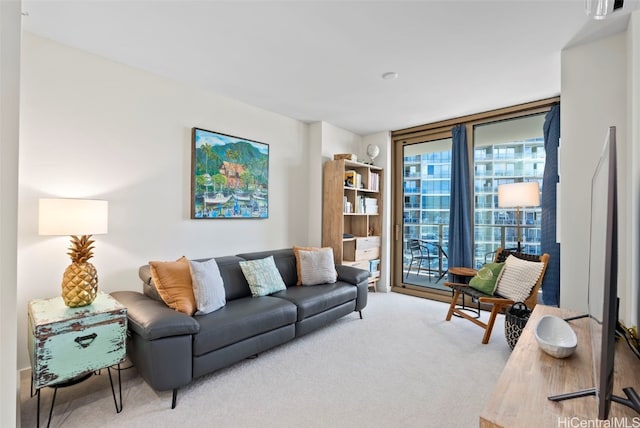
<point x="323" y="60"/>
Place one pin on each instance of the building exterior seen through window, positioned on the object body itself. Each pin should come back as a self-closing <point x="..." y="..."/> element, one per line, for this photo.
<point x="494" y="227"/>
<point x="504" y="152"/>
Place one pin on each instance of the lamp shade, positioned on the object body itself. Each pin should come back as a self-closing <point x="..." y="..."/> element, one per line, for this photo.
<point x="519" y="195"/>
<point x="72" y="217"/>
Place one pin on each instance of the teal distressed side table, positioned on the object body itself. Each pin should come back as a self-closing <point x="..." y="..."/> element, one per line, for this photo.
<point x="66" y="345"/>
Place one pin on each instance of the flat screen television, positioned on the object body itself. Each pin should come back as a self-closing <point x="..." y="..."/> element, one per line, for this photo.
<point x="603" y="284"/>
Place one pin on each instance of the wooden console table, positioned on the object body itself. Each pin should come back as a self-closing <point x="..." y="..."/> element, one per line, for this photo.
<point x="519" y="398"/>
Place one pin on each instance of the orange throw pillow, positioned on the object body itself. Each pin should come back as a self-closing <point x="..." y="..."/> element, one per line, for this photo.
<point x="173" y="282"/>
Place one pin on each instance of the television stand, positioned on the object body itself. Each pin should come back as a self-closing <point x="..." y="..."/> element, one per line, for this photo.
<point x="519" y="398"/>
<point x="632" y="401"/>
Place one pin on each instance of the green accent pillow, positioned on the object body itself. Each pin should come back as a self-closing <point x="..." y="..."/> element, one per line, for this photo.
<point x="487" y="278"/>
<point x="263" y="276"/>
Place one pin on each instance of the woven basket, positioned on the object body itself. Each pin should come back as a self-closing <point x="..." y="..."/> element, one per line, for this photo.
<point x="514" y="322"/>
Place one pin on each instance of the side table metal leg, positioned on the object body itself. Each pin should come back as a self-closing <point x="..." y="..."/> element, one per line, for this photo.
<point x="113" y="392"/>
<point x="53" y="401"/>
<point x="464" y="307"/>
<point x="38" y="412"/>
<point x="475" y="311"/>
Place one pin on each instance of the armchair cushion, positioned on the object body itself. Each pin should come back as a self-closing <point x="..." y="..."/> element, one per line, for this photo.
<point x="518" y="278"/>
<point x="487" y="277"/>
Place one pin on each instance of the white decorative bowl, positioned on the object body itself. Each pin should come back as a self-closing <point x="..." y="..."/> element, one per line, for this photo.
<point x="555" y="336"/>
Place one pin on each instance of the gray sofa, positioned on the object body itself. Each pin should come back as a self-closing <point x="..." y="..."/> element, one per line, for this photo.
<point x="170" y="349"/>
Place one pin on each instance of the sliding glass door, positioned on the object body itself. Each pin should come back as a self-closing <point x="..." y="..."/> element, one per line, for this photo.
<point x="426" y="186"/>
<point x="505" y="146"/>
<point x="507" y="151"/>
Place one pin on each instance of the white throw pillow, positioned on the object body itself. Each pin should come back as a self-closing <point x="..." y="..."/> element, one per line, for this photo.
<point x="208" y="287"/>
<point x="518" y="278"/>
<point x="317" y="267"/>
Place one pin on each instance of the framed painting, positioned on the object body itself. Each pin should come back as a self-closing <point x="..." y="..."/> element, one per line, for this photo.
<point x="229" y="176"/>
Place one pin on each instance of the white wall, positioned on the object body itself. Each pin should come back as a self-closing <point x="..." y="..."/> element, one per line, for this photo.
<point x="315" y="162"/>
<point x="383" y="141"/>
<point x="94" y="128"/>
<point x="325" y="140"/>
<point x="338" y="140"/>
<point x="9" y="120"/>
<point x="594" y="97"/>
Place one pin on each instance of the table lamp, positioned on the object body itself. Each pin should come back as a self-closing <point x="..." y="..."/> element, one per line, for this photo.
<point x="79" y="218"/>
<point x="518" y="195"/>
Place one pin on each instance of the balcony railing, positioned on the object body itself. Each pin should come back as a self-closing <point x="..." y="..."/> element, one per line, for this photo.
<point x="487" y="238"/>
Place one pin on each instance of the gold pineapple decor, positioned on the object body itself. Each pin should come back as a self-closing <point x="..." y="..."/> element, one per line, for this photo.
<point x="80" y="279"/>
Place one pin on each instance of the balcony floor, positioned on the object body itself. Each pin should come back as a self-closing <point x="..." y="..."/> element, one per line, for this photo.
<point x="425" y="280"/>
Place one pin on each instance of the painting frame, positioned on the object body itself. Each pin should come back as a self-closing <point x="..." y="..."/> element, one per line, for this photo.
<point x="229" y="176"/>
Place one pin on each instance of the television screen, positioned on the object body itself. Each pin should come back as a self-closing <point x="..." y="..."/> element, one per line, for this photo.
<point x="603" y="269"/>
<point x="603" y="285"/>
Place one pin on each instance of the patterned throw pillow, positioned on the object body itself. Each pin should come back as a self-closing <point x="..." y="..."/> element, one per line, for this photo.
<point x="487" y="277"/>
<point x="263" y="276"/>
<point x="208" y="287"/>
<point x="518" y="278"/>
<point x="173" y="282"/>
<point x="317" y="267"/>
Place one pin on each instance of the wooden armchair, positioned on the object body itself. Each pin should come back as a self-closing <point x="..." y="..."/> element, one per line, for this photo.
<point x="498" y="302"/>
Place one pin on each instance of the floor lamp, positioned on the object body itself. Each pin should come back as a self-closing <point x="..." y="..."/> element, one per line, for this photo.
<point x="518" y="195"/>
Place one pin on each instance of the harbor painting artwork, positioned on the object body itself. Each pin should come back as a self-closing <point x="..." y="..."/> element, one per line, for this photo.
<point x="229" y="176"/>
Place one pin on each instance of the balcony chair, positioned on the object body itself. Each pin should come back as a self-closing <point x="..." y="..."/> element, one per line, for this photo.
<point x="421" y="251"/>
<point x="497" y="301"/>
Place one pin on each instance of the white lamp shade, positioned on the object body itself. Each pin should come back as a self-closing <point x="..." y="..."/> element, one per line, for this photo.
<point x="72" y="217"/>
<point x="519" y="195"/>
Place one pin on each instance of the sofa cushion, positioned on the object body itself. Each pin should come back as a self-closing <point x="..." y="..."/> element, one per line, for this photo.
<point x="148" y="287"/>
<point x="235" y="283"/>
<point x="241" y="319"/>
<point x="285" y="262"/>
<point x="208" y="288"/>
<point x="311" y="300"/>
<point x="263" y="276"/>
<point x="173" y="282"/>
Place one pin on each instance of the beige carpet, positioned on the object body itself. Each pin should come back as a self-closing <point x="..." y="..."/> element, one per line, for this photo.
<point x="403" y="365"/>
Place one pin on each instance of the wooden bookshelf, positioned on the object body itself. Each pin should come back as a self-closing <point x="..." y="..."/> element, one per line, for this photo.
<point x="352" y="204"/>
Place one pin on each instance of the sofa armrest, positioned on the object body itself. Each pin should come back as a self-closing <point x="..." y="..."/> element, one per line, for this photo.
<point x="351" y="274"/>
<point x="152" y="319"/>
<point x="360" y="279"/>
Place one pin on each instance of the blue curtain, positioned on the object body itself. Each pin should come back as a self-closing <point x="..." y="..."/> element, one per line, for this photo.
<point x="548" y="243"/>
<point x="460" y="234"/>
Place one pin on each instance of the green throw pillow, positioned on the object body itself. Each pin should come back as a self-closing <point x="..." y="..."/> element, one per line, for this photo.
<point x="487" y="277"/>
<point x="263" y="276"/>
